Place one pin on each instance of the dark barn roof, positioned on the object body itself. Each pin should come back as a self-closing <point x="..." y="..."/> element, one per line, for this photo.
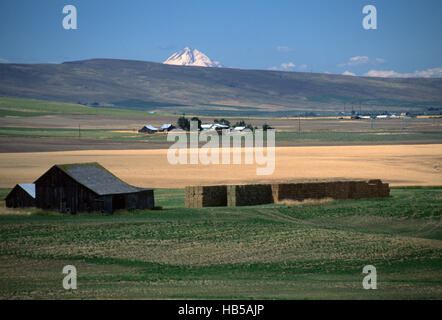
<point x="96" y="178"/>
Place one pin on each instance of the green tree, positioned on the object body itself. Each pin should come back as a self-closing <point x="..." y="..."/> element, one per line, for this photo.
<point x="222" y="121"/>
<point x="199" y="122"/>
<point x="250" y="127"/>
<point x="183" y="123"/>
<point x="241" y="123"/>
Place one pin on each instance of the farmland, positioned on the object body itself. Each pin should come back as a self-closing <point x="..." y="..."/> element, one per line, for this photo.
<point x="17" y="107"/>
<point x="392" y="136"/>
<point x="28" y="125"/>
<point x="310" y="250"/>
<point x="302" y="251"/>
<point x="396" y="164"/>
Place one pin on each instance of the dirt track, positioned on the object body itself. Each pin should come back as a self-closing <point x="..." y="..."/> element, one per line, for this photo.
<point x="396" y="164"/>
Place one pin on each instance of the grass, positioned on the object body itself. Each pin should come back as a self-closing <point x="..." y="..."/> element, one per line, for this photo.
<point x="295" y="251"/>
<point x="19" y="107"/>
<point x="372" y="136"/>
<point x="4" y="192"/>
<point x="100" y="134"/>
<point x="303" y="137"/>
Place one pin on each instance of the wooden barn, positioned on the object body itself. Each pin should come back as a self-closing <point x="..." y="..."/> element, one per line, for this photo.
<point x="86" y="187"/>
<point x="22" y="195"/>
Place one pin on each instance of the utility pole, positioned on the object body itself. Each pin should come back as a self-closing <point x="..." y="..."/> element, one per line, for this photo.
<point x="299" y="124"/>
<point x="79" y="131"/>
<point x="404" y="124"/>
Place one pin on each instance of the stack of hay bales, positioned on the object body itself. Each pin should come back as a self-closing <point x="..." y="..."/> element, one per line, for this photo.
<point x="378" y="189"/>
<point x="310" y="190"/>
<point x="337" y="189"/>
<point x="330" y="189"/>
<point x="249" y="195"/>
<point x="256" y="194"/>
<point x="359" y="190"/>
<point x="206" y="196"/>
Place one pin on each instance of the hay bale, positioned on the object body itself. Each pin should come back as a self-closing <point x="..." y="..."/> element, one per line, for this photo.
<point x="206" y="196"/>
<point x="256" y="194"/>
<point x="249" y="195"/>
<point x="379" y="189"/>
<point x="356" y="189"/>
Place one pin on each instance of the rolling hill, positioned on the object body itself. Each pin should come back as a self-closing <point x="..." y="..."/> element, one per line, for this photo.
<point x="155" y="86"/>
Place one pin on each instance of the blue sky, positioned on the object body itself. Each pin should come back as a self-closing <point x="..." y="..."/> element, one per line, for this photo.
<point x="313" y="35"/>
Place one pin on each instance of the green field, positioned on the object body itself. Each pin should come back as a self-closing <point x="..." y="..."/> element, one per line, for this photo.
<point x="365" y="136"/>
<point x="296" y="137"/>
<point x="19" y="107"/>
<point x="353" y="133"/>
<point x="100" y="134"/>
<point x="298" y="251"/>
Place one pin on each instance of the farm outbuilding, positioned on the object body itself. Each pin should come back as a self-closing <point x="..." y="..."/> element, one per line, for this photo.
<point x="86" y="187"/>
<point x="148" y="129"/>
<point x="167" y="127"/>
<point x="22" y="195"/>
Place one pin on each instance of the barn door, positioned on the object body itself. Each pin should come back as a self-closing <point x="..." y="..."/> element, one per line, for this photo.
<point x="118" y="202"/>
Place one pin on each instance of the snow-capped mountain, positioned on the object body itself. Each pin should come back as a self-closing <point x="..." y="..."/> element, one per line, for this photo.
<point x="191" y="57"/>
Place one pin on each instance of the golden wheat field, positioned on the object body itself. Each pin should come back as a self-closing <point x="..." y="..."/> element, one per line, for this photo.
<point x="396" y="164"/>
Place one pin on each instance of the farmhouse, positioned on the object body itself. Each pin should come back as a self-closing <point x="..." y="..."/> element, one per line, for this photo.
<point x="219" y="126"/>
<point x="167" y="127"/>
<point x="86" y="187"/>
<point x="22" y="195"/>
<point x="239" y="129"/>
<point x="206" y="126"/>
<point x="148" y="129"/>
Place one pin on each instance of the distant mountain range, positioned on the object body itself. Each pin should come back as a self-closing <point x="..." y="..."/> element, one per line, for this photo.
<point x="191" y="57"/>
<point x="170" y="88"/>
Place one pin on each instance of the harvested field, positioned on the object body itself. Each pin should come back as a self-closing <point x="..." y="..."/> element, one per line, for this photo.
<point x="397" y="165"/>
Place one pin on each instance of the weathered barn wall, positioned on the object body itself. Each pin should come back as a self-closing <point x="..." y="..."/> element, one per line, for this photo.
<point x="130" y="201"/>
<point x="55" y="190"/>
<point x="142" y="200"/>
<point x="248" y="195"/>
